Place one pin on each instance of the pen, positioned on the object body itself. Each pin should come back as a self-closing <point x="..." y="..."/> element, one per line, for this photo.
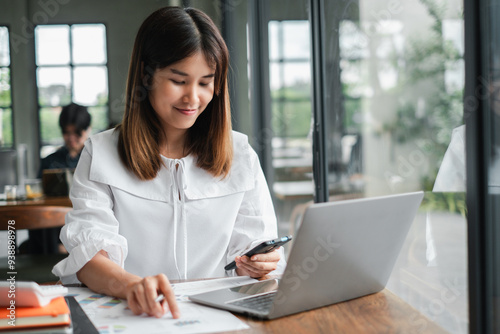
<point x="159" y="298"/>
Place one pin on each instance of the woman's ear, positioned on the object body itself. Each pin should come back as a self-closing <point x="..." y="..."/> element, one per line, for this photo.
<point x="146" y="76"/>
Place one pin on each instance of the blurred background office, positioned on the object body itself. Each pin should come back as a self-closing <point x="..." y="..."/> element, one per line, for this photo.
<point x="340" y="99"/>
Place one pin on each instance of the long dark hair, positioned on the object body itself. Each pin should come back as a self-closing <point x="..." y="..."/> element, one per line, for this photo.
<point x="167" y="36"/>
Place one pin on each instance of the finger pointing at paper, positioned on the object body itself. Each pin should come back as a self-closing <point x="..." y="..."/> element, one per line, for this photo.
<point x="142" y="297"/>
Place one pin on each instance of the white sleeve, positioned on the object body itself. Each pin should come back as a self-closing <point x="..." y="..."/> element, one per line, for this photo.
<point x="91" y="226"/>
<point x="256" y="219"/>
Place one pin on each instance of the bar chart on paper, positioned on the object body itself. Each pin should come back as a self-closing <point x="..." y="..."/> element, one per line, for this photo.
<point x="111" y="329"/>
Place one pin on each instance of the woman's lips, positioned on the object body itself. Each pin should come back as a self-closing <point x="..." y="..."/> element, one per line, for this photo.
<point x="187" y="112"/>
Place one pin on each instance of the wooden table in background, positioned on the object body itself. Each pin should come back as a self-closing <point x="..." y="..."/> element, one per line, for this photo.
<point x="46" y="201"/>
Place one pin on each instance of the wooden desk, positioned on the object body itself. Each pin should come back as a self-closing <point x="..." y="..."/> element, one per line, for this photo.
<point x="45" y="201"/>
<point x="382" y="312"/>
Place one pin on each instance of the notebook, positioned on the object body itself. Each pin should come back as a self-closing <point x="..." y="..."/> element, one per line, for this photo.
<point x="342" y="250"/>
<point x="56" y="313"/>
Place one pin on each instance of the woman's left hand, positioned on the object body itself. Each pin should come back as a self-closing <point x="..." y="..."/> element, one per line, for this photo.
<point x="258" y="265"/>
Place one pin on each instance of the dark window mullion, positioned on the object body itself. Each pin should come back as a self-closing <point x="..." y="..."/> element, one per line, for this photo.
<point x="480" y="284"/>
<point x="71" y="65"/>
<point x="260" y="86"/>
<point x="282" y="131"/>
<point x="320" y="163"/>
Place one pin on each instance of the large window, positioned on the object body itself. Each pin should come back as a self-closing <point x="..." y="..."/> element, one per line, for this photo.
<point x="290" y="79"/>
<point x="393" y="113"/>
<point x="71" y="67"/>
<point x="6" y="135"/>
<point x="402" y="92"/>
<point x="290" y="86"/>
<point x="366" y="100"/>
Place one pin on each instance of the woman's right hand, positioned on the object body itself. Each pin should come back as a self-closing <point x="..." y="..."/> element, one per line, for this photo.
<point x="100" y="273"/>
<point x="141" y="296"/>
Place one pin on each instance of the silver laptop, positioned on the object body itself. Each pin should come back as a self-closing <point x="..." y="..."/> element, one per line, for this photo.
<point x="342" y="250"/>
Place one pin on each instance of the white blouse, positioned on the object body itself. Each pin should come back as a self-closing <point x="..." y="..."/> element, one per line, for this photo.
<point x="185" y="223"/>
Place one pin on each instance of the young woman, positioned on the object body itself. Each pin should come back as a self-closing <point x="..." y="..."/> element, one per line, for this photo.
<point x="172" y="192"/>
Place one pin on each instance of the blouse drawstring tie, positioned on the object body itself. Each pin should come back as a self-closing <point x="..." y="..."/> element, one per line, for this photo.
<point x="178" y="188"/>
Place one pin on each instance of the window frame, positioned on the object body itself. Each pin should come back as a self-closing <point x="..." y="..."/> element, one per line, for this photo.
<point x="281" y="61"/>
<point x="11" y="106"/>
<point x="481" y="224"/>
<point x="260" y="86"/>
<point x="71" y="66"/>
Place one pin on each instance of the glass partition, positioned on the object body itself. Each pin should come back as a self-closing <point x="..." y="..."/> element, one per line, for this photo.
<point x="393" y="92"/>
<point x="279" y="100"/>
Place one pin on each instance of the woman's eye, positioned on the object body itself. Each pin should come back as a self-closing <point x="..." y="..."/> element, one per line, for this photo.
<point x="178" y="82"/>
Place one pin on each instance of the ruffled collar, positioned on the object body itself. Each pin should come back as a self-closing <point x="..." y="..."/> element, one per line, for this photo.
<point x="108" y="168"/>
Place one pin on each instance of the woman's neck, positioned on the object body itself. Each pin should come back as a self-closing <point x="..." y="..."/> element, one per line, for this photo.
<point x="173" y="145"/>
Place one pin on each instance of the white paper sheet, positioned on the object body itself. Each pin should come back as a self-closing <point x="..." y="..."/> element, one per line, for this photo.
<point x="111" y="315"/>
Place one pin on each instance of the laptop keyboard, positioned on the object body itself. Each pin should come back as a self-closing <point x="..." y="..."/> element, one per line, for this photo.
<point x="259" y="303"/>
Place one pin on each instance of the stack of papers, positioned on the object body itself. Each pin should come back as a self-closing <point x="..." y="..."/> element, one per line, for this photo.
<point x="112" y="315"/>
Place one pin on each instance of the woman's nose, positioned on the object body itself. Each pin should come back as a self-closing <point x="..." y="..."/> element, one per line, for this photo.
<point x="191" y="95"/>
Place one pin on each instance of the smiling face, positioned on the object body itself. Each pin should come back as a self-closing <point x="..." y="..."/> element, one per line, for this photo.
<point x="180" y="92"/>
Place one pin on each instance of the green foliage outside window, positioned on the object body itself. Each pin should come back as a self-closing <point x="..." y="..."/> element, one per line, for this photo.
<point x="291" y="111"/>
<point x="425" y="62"/>
<point x="7" y="136"/>
<point x="5" y="95"/>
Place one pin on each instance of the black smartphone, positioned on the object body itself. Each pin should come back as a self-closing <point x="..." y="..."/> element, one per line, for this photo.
<point x="263" y="247"/>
